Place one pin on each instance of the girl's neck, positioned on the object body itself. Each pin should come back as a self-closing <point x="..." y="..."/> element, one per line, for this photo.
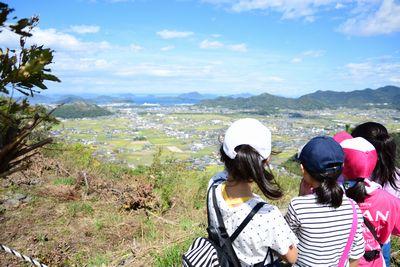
<point x="235" y="189"/>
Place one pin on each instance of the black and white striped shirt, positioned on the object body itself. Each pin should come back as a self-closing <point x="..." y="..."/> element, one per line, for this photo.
<point x="323" y="231"/>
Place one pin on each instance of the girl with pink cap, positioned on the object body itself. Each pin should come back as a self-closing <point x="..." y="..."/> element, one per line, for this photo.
<point x="380" y="209"/>
<point x="385" y="173"/>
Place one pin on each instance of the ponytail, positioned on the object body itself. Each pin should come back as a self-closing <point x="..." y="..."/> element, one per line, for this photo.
<point x="329" y="192"/>
<point x="385" y="170"/>
<point x="248" y="167"/>
<point x="357" y="192"/>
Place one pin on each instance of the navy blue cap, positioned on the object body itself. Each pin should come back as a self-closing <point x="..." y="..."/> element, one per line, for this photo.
<point x="322" y="155"/>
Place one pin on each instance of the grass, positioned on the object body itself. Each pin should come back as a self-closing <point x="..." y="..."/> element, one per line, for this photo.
<point x="93" y="229"/>
<point x="64" y="181"/>
<point x="171" y="256"/>
<point x="76" y="208"/>
<point x="99" y="260"/>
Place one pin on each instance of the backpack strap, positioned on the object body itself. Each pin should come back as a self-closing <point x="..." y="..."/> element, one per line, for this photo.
<point x="271" y="260"/>
<point x="225" y="241"/>
<point x="371" y="228"/>
<point x="250" y="216"/>
<point x="217" y="181"/>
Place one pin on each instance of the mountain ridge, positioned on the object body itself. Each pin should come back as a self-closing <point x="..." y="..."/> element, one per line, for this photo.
<point x="383" y="97"/>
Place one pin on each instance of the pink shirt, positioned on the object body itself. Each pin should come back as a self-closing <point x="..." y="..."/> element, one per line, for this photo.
<point x="383" y="211"/>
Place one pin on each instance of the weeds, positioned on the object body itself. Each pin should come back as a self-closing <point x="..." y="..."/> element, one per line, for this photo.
<point x="64" y="181"/>
<point x="76" y="208"/>
<point x="99" y="260"/>
<point x="98" y="224"/>
<point x="172" y="256"/>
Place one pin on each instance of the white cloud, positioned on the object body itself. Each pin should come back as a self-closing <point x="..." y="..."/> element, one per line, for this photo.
<point x="165" y="70"/>
<point x="274" y="79"/>
<point x="308" y="53"/>
<point x="167" y="48"/>
<point x="313" y="53"/>
<point x="135" y="48"/>
<point x="171" y="34"/>
<point x="339" y="6"/>
<point x="83" y="29"/>
<point x="296" y="60"/>
<point x="238" y="47"/>
<point x="215" y="35"/>
<point x="373" y="71"/>
<point x="363" y="17"/>
<point x="66" y="62"/>
<point x="54" y="39"/>
<point x="290" y="9"/>
<point x="9" y="39"/>
<point x="385" y="20"/>
<point x="395" y="79"/>
<point x="206" y="44"/>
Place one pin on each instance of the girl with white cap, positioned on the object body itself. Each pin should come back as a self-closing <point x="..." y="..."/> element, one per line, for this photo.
<point x="245" y="153"/>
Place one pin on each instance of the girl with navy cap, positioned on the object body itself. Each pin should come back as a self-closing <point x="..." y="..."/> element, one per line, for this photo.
<point x="326" y="222"/>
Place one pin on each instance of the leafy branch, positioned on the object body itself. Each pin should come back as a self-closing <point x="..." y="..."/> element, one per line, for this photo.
<point x="24" y="69"/>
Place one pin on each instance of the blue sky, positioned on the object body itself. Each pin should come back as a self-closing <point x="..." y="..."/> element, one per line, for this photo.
<point x="281" y="47"/>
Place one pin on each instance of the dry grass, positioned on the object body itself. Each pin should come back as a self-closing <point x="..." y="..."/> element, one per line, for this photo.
<point x="118" y="218"/>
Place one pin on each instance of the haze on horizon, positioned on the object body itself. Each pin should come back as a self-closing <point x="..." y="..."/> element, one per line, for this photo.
<point x="287" y="48"/>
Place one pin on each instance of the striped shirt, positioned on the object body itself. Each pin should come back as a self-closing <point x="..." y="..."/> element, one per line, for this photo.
<point x="323" y="231"/>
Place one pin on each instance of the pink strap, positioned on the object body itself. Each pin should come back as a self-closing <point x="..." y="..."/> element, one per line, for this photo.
<point x="343" y="259"/>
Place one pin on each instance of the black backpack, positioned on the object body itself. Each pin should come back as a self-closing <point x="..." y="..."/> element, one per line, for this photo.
<point x="217" y="249"/>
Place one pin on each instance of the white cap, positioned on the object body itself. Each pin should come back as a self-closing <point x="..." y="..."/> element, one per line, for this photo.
<point x="247" y="132"/>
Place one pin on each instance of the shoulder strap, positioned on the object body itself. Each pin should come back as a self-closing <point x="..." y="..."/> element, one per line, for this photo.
<point x="221" y="225"/>
<point x="271" y="259"/>
<point x="225" y="241"/>
<point x="371" y="228"/>
<point x="248" y="218"/>
<point x="208" y="196"/>
<point x="344" y="257"/>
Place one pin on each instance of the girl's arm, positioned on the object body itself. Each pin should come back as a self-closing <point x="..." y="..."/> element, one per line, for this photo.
<point x="291" y="255"/>
<point x="353" y="262"/>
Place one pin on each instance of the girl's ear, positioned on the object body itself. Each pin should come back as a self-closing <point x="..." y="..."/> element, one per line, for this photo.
<point x="302" y="169"/>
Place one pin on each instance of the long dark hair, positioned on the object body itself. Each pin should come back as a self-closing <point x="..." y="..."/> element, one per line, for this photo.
<point x="385" y="170"/>
<point x="329" y="192"/>
<point x="357" y="192"/>
<point x="247" y="166"/>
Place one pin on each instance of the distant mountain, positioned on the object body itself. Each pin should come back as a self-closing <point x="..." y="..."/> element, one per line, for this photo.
<point x="80" y="109"/>
<point x="384" y="97"/>
<point x="191" y="95"/>
<point x="243" y="95"/>
<point x="106" y="99"/>
<point x="196" y="96"/>
<point x="264" y="103"/>
<point x="67" y="99"/>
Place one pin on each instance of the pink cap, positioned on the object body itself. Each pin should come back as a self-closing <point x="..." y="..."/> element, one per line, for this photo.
<point x="360" y="158"/>
<point x="341" y="136"/>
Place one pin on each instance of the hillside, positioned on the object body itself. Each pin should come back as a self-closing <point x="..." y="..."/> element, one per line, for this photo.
<point x="80" y="109"/>
<point x="70" y="209"/>
<point x="384" y="97"/>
